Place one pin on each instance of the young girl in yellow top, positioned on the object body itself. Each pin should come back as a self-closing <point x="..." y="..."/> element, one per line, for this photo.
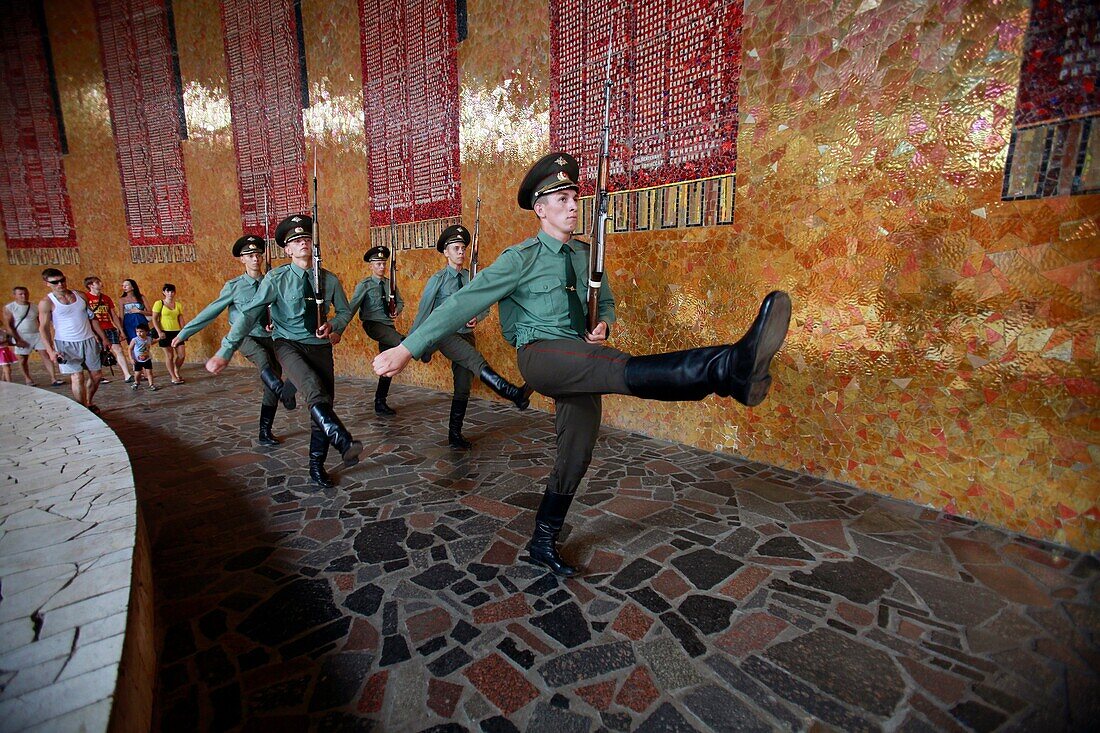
<point x="168" y="319"/>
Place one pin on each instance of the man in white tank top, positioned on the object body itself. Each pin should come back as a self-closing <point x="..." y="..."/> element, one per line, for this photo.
<point x="72" y="336"/>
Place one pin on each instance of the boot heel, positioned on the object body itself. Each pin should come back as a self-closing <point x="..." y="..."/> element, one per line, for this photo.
<point x="351" y="455"/>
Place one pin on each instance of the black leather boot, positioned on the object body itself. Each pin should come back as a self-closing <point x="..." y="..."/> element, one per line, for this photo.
<point x="324" y="418"/>
<point x="318" y="452"/>
<point x="739" y="371"/>
<point x="454" y="427"/>
<point x="519" y="396"/>
<point x="548" y="523"/>
<point x="285" y="391"/>
<point x="267" y="419"/>
<point x="380" y="394"/>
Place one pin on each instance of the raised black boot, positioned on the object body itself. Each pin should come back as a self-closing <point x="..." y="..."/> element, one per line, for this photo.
<point x="267" y="419"/>
<point x="548" y="523"/>
<point x="285" y="391"/>
<point x="454" y="426"/>
<point x="739" y="371"/>
<point x="318" y="452"/>
<point x="380" y="394"/>
<point x="519" y="396"/>
<point x="338" y="436"/>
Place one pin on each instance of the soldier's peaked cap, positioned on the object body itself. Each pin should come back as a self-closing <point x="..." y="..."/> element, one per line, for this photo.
<point x="293" y="227"/>
<point x="249" y="244"/>
<point x="453" y="233"/>
<point x="379" y="253"/>
<point x="553" y="172"/>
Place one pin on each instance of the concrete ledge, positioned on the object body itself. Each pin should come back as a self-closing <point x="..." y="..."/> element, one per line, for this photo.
<point x="76" y="611"/>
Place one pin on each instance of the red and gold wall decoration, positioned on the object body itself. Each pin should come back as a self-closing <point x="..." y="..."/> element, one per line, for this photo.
<point x="410" y="108"/>
<point x="267" y="92"/>
<point x="145" y="99"/>
<point x="34" y="200"/>
<point x="1055" y="147"/>
<point x="675" y="71"/>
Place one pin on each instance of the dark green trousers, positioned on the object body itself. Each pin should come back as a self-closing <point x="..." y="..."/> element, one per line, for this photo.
<point x="574" y="374"/>
<point x="466" y="361"/>
<point x="310" y="367"/>
<point x="385" y="335"/>
<point x="261" y="352"/>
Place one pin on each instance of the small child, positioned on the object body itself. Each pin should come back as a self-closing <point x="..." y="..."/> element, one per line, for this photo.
<point x="140" y="351"/>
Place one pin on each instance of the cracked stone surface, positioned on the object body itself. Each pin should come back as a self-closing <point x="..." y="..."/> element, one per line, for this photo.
<point x="718" y="593"/>
<point x="68" y="521"/>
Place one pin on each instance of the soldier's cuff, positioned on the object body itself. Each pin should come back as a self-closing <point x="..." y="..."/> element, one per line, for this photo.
<point x="226" y="353"/>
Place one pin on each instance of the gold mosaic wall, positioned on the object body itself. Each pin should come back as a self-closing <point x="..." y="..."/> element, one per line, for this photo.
<point x="943" y="347"/>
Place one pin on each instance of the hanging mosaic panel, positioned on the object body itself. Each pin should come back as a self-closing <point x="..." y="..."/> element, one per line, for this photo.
<point x="141" y="71"/>
<point x="34" y="200"/>
<point x="1055" y="147"/>
<point x="265" y="60"/>
<point x="410" y="106"/>
<point x="675" y="69"/>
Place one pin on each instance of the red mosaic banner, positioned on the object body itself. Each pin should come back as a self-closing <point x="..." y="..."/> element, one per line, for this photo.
<point x="262" y="51"/>
<point x="676" y="65"/>
<point x="410" y="105"/>
<point x="144" y="100"/>
<point x="34" y="200"/>
<point x="1058" y="79"/>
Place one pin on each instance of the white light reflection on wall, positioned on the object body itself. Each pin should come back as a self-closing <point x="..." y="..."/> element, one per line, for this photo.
<point x="491" y="125"/>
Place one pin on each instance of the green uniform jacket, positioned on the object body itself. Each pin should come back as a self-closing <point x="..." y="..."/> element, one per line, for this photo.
<point x="427" y="306"/>
<point x="235" y="295"/>
<point x="367" y="300"/>
<point x="282" y="289"/>
<point x="528" y="280"/>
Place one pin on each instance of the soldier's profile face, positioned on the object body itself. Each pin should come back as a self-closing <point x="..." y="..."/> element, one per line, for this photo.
<point x="558" y="211"/>
<point x="299" y="247"/>
<point x="378" y="267"/>
<point x="252" y="261"/>
<point x="455" y="252"/>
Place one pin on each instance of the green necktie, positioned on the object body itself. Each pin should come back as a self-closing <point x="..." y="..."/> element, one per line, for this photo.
<point x="576" y="312"/>
<point x="311" y="305"/>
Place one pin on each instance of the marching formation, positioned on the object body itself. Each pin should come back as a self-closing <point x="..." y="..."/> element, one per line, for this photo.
<point x="287" y="321"/>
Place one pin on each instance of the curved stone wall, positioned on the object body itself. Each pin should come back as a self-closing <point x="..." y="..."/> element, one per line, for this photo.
<point x="76" y="612"/>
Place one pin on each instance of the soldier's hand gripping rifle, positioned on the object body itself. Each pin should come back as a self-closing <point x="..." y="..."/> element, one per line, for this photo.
<point x="600" y="201"/>
<point x="391" y="300"/>
<point x="318" y="290"/>
<point x="477" y="229"/>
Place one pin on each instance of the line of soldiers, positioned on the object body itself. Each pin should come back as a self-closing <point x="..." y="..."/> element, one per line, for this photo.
<point x="534" y="283"/>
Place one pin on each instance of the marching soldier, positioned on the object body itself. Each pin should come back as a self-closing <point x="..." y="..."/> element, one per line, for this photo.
<point x="303" y="339"/>
<point x="458" y="345"/>
<point x="257" y="346"/>
<point x="542" y="315"/>
<point x="369" y="301"/>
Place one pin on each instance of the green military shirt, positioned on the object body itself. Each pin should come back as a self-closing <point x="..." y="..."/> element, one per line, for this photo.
<point x="235" y="295"/>
<point x="283" y="289"/>
<point x="369" y="300"/>
<point x="528" y="280"/>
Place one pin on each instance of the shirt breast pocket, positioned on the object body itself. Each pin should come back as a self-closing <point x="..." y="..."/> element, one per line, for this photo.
<point x="548" y="295"/>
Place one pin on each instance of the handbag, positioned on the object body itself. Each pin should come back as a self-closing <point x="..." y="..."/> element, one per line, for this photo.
<point x="107" y="358"/>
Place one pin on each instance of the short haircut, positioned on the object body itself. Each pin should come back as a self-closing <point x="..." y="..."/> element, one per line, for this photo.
<point x="91" y="279"/>
<point x="52" y="272"/>
<point x="142" y="327"/>
<point x="20" y="287"/>
<point x="169" y="287"/>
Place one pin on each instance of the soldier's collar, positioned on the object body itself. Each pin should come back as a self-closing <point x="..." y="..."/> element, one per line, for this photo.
<point x="553" y="243"/>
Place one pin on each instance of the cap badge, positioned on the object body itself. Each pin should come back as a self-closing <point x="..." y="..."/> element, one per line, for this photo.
<point x="299" y="230"/>
<point x="562" y="176"/>
<point x="295" y="219"/>
<point x="561" y="161"/>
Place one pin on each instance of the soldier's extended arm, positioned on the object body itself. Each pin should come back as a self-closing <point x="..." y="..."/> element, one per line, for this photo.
<point x="250" y="315"/>
<point x="335" y="295"/>
<point x="207" y="315"/>
<point x="493" y="284"/>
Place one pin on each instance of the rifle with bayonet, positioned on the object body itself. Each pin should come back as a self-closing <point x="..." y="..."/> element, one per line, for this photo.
<point x="477" y="229"/>
<point x="391" y="300"/>
<point x="600" y="201"/>
<point x="318" y="290"/>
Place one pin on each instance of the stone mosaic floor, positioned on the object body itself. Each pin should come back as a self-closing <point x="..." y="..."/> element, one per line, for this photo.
<point x="720" y="594"/>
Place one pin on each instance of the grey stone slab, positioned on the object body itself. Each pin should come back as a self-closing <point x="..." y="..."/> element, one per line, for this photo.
<point x="666" y="658"/>
<point x="55" y="700"/>
<point x="90" y="583"/>
<point x="86" y="611"/>
<point x="103" y="655"/>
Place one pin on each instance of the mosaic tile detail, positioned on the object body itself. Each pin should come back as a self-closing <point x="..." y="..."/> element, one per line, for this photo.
<point x="727" y="593"/>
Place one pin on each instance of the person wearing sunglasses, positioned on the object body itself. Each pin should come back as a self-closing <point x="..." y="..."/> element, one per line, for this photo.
<point x="72" y="335"/>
